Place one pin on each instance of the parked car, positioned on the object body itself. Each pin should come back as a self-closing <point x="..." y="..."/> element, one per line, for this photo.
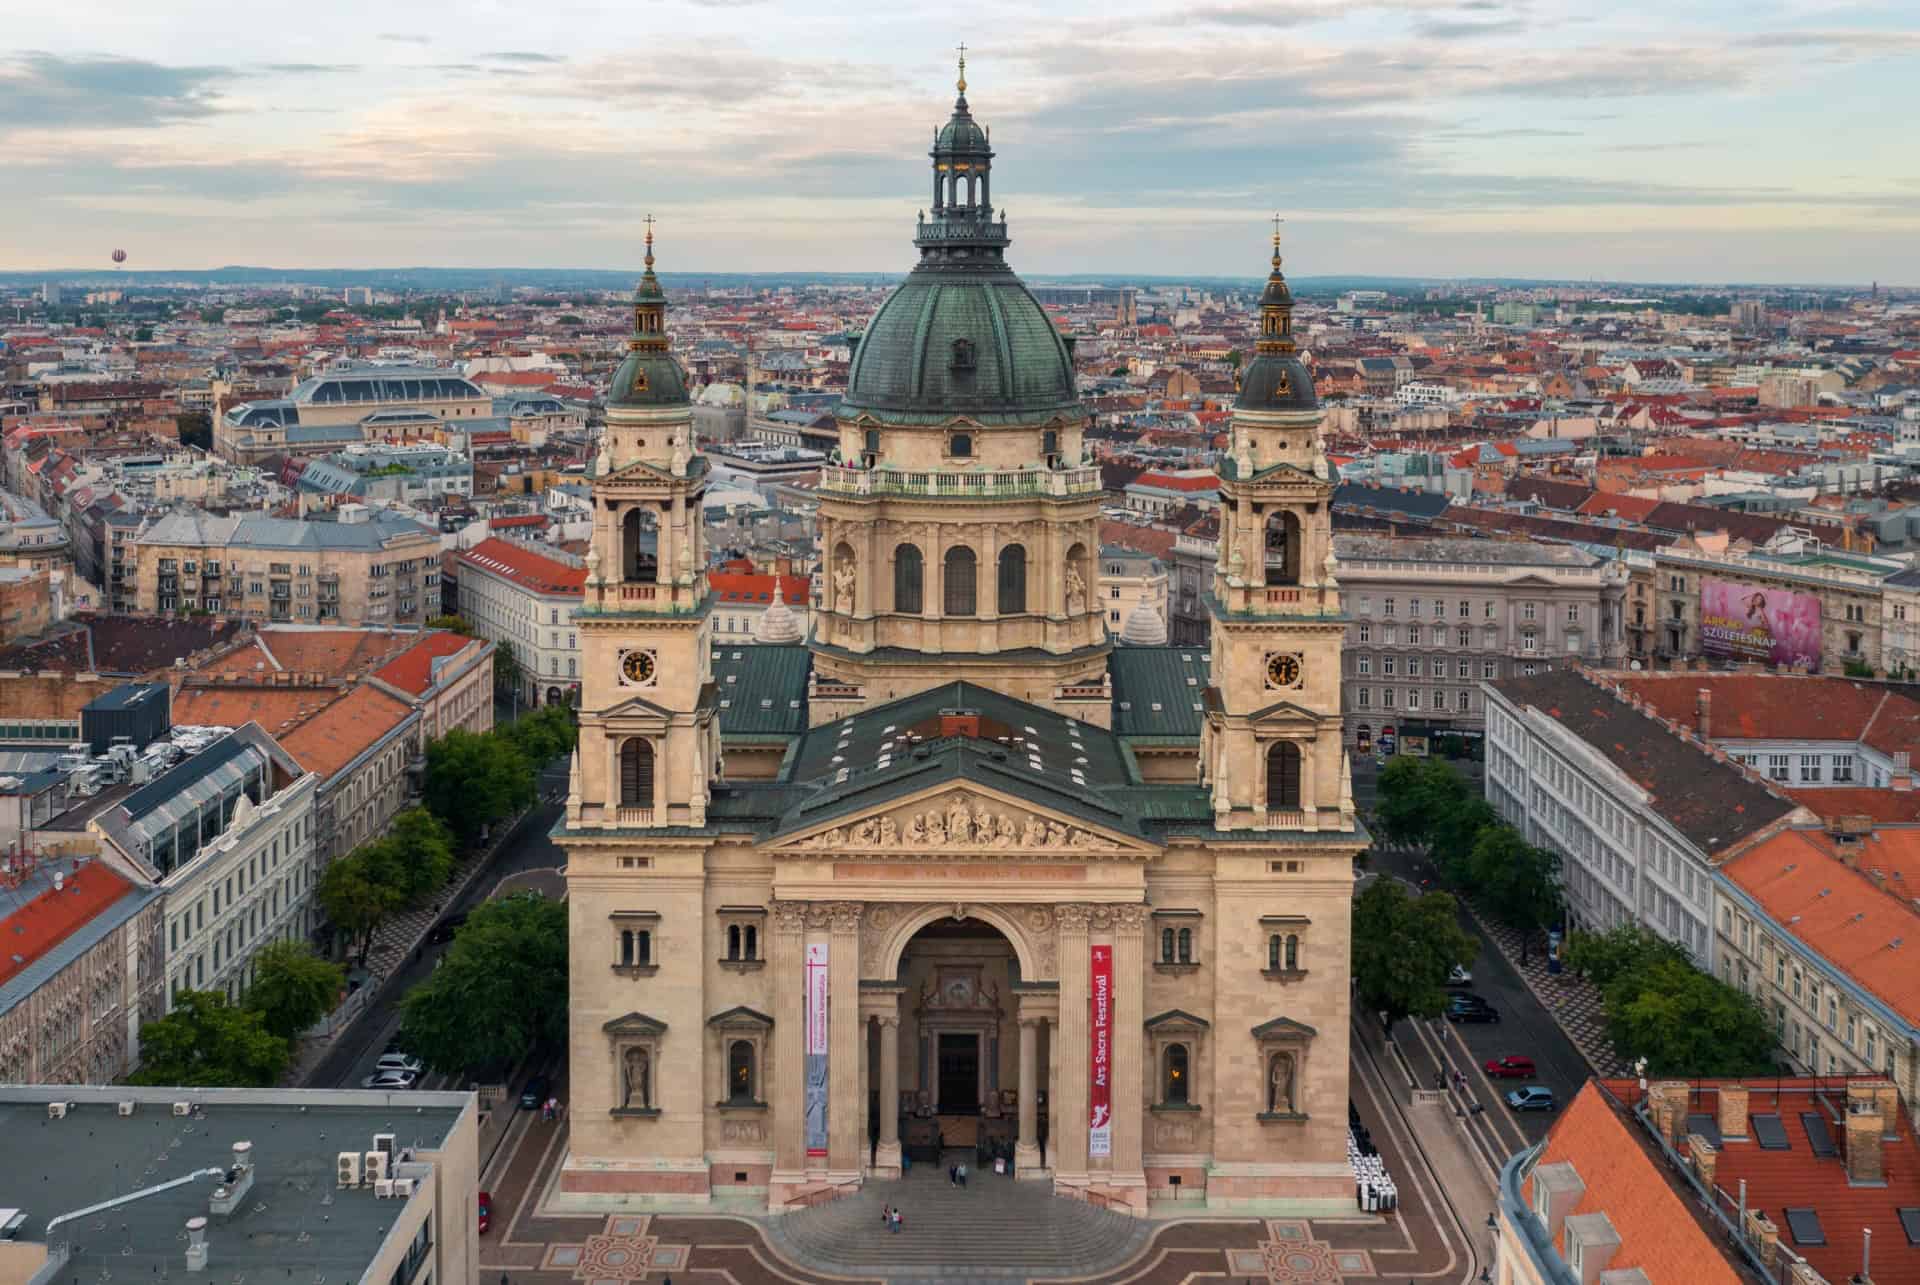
<point x="1458" y="976"/>
<point x="389" y="1080"/>
<point x="399" y="1062"/>
<point x="1511" y="1067"/>
<point x="1535" y="1097"/>
<point x="444" y="930"/>
<point x="536" y="1092"/>
<point x="486" y="1211"/>
<point x="1473" y="1010"/>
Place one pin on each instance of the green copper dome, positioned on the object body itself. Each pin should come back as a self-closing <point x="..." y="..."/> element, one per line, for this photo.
<point x="648" y="379"/>
<point x="1277" y="381"/>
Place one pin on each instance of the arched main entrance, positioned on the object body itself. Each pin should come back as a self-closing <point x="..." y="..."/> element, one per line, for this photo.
<point x="966" y="1075"/>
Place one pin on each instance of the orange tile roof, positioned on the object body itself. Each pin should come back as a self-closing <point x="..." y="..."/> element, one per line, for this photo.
<point x="412" y="669"/>
<point x="1658" y="1230"/>
<point x="729" y="586"/>
<point x="278" y="710"/>
<point x="1850" y="915"/>
<point x="1837" y="801"/>
<point x="339" y="733"/>
<point x="37" y="927"/>
<point x="1813" y="707"/>
<point x="525" y="568"/>
<point x="337" y="653"/>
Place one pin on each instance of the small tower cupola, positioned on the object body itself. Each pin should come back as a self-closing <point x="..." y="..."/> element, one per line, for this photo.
<point x="962" y="225"/>
<point x="1276" y="306"/>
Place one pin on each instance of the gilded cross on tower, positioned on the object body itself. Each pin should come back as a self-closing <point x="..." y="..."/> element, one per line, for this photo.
<point x="1277" y="221"/>
<point x="649" y="222"/>
<point x="963" y="66"/>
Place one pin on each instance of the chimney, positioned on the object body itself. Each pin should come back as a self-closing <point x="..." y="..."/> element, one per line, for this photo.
<point x="1704" y="1158"/>
<point x="1733" y="1110"/>
<point x="1668" y="1100"/>
<point x="196" y="1244"/>
<point x="1764" y="1235"/>
<point x="1703" y="713"/>
<point x="1876" y="1096"/>
<point x="1865" y="1167"/>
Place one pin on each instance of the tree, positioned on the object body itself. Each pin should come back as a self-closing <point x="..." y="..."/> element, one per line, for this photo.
<point x="292" y="987"/>
<point x="417" y="856"/>
<point x="195" y="428"/>
<point x="355" y="900"/>
<point x="1456" y="830"/>
<point x="474" y="780"/>
<point x="1414" y="794"/>
<point x="543" y="734"/>
<point x="1685" y="1022"/>
<point x="1602" y="958"/>
<point x="506" y="668"/>
<point x="458" y="624"/>
<point x="500" y="989"/>
<point x="1403" y="949"/>
<point x="206" y="1042"/>
<point x="1515" y="880"/>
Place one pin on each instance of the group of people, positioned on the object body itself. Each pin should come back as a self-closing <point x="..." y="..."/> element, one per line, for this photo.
<point x="957" y="1174"/>
<point x="890" y="1218"/>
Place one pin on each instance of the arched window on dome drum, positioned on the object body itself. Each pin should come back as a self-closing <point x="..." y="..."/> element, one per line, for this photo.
<point x="636" y="773"/>
<point x="1283" y="775"/>
<point x="958" y="598"/>
<point x="1050" y="446"/>
<point x="1013" y="580"/>
<point x="908" y="575"/>
<point x="960" y="446"/>
<point x="1176" y="1076"/>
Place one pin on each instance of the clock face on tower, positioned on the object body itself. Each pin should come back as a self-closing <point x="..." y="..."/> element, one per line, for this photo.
<point x="639" y="668"/>
<point x="1283" y="669"/>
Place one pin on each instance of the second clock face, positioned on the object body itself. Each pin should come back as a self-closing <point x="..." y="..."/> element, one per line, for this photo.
<point x="638" y="668"/>
<point x="1283" y="669"/>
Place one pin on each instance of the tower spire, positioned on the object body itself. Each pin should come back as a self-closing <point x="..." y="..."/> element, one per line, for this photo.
<point x="1276" y="305"/>
<point x="962" y="86"/>
<point x="649" y="305"/>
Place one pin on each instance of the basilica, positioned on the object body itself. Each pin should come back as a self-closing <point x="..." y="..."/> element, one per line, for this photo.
<point x="957" y="871"/>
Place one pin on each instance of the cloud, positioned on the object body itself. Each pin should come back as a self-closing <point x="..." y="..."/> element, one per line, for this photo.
<point x="1454" y="29"/>
<point x="48" y="91"/>
<point x="316" y="68"/>
<point x="402" y="38"/>
<point x="523" y="55"/>
<point x="1844" y="39"/>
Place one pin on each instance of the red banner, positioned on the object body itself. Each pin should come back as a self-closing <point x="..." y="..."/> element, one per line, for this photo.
<point x="1100" y="1091"/>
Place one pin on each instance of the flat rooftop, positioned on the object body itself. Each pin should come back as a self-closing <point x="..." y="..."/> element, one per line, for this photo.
<point x="295" y="1224"/>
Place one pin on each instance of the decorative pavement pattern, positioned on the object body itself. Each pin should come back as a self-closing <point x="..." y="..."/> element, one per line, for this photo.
<point x="1291" y="1256"/>
<point x="622" y="1252"/>
<point x="1574" y="1002"/>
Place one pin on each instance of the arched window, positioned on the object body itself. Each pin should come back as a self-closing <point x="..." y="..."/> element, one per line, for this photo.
<point x="1293" y="952"/>
<point x="908" y="573"/>
<point x="1013" y="580"/>
<point x="960" y="446"/>
<point x="1283" y="541"/>
<point x="1166" y="945"/>
<point x="639" y="546"/>
<point x="636" y="773"/>
<point x="1176" y="1075"/>
<point x="958" y="587"/>
<point x="733" y="941"/>
<point x="740" y="1071"/>
<point x="752" y="948"/>
<point x="1273" y="953"/>
<point x="636" y="947"/>
<point x="1186" y="945"/>
<point x="1283" y="775"/>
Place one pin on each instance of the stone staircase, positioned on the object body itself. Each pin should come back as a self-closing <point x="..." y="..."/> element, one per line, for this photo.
<point x="993" y="1227"/>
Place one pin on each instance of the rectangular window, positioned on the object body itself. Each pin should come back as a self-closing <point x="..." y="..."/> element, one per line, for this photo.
<point x="1364" y="633"/>
<point x="1526" y="611"/>
<point x="1364" y="697"/>
<point x="1413" y="698"/>
<point x="1388" y="665"/>
<point x="1386" y="607"/>
<point x="1386" y="698"/>
<point x="1363" y="665"/>
<point x="1488" y="669"/>
<point x="1842" y="767"/>
<point x="1466" y="609"/>
<point x="1413" y="667"/>
<point x="1463" y="670"/>
<point x="1810" y="767"/>
<point x="1464" y="638"/>
<point x="1778" y="766"/>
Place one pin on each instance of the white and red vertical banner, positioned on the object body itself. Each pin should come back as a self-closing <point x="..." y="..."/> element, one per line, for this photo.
<point x="1100" y="1032"/>
<point x="817" y="1049"/>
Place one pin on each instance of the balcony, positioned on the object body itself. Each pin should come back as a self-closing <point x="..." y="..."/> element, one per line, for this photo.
<point x="1286" y="819"/>
<point x="633" y="816"/>
<point x="968" y="485"/>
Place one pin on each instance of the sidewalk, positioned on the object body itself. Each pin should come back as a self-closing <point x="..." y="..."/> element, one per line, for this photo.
<point x="1573" y="1002"/>
<point x="397" y="937"/>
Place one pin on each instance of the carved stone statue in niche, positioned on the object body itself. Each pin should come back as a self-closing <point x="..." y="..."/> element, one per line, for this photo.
<point x="637" y="1081"/>
<point x="1076" y="591"/>
<point x="843" y="590"/>
<point x="959" y="821"/>
<point x="1280" y="1084"/>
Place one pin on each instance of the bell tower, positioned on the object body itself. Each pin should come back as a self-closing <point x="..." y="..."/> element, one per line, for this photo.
<point x="1272" y="744"/>
<point x="649" y="742"/>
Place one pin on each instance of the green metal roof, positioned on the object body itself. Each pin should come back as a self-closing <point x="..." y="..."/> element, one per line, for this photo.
<point x="1156" y="690"/>
<point x="763" y="688"/>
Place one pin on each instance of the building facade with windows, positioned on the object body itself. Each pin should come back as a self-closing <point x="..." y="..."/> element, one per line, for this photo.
<point x="523" y="597"/>
<point x="1640" y="811"/>
<point x="1130" y="581"/>
<point x="1849" y="590"/>
<point x="942" y="897"/>
<point x="363" y="567"/>
<point x="1432" y="619"/>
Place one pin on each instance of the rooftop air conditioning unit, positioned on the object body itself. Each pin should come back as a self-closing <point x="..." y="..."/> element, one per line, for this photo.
<point x="56" y="1110"/>
<point x="376" y="1165"/>
<point x="383" y="1189"/>
<point x="402" y="1188"/>
<point x="183" y="1108"/>
<point x="349" y="1167"/>
<point x="126" y="1106"/>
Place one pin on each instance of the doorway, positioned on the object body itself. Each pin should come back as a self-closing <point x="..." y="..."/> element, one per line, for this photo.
<point x="959" y="1073"/>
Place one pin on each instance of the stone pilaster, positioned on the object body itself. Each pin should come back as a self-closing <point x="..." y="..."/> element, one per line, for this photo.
<point x="1026" y="1152"/>
<point x="1129" y="1035"/>
<point x="788" y="966"/>
<point x="1067" y="1115"/>
<point x="846" y="1104"/>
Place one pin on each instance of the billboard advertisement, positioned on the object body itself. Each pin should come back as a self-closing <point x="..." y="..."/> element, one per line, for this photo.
<point x="1746" y="623"/>
<point x="1100" y="1091"/>
<point x="816" y="1112"/>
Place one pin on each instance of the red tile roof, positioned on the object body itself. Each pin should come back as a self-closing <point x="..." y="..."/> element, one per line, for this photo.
<point x="50" y="918"/>
<point x="1810" y="707"/>
<point x="729" y="586"/>
<point x="1171" y="482"/>
<point x="1658" y="1230"/>
<point x="343" y="730"/>
<point x="524" y="567"/>
<point x="412" y="669"/>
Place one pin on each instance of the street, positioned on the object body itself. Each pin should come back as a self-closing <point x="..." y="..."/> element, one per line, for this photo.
<point x="527" y="849"/>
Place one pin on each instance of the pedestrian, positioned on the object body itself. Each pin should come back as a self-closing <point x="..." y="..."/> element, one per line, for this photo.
<point x="906" y="1162"/>
<point x="963" y="1173"/>
<point x="898" y="1220"/>
<point x="953" y="1175"/>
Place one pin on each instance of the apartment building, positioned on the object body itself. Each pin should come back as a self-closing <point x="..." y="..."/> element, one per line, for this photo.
<point x="351" y="403"/>
<point x="364" y="567"/>
<point x="524" y="597"/>
<point x="1433" y="618"/>
<point x="1818" y="611"/>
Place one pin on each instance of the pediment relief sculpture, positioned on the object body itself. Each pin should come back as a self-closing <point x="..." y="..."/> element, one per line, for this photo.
<point x="959" y="823"/>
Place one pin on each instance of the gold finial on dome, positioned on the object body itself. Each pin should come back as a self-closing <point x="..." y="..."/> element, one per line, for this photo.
<point x="649" y="222"/>
<point x="1277" y="221"/>
<point x="963" y="66"/>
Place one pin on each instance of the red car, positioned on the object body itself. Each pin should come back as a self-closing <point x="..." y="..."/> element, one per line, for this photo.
<point x="1511" y="1068"/>
<point x="486" y="1211"/>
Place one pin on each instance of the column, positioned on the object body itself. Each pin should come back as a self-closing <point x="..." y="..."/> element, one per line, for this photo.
<point x="887" y="1159"/>
<point x="788" y="964"/>
<point x="1026" y="1152"/>
<point x="846" y="1106"/>
<point x="662" y="544"/>
<point x="1068" y="1130"/>
<point x="1129" y="1034"/>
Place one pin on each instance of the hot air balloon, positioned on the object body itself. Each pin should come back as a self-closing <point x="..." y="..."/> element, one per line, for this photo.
<point x="119" y="256"/>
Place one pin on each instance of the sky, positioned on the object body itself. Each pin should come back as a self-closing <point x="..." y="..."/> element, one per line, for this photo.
<point x="1693" y="140"/>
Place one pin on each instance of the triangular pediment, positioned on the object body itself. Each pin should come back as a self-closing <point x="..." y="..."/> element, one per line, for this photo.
<point x="638" y="707"/>
<point x="740" y="1016"/>
<point x="635" y="1024"/>
<point x="1284" y="711"/>
<point x="1281" y="1028"/>
<point x="959" y="818"/>
<point x="1287" y="475"/>
<point x="1176" y="1019"/>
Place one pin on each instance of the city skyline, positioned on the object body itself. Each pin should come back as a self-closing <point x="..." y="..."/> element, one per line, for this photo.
<point x="1401" y="137"/>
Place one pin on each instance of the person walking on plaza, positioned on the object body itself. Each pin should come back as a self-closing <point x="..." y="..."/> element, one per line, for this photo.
<point x="963" y="1173"/>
